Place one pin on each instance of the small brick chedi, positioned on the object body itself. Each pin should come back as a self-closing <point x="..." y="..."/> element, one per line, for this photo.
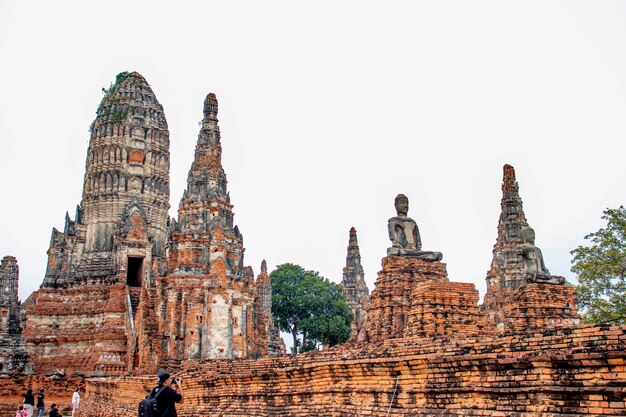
<point x="354" y="287"/>
<point x="125" y="286"/>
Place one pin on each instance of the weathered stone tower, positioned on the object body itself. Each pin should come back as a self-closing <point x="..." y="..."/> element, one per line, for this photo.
<point x="83" y="315"/>
<point x="517" y="298"/>
<point x="354" y="287"/>
<point x="205" y="302"/>
<point x="12" y="354"/>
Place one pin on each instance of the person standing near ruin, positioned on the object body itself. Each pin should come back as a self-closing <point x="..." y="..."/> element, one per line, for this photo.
<point x="40" y="404"/>
<point x="75" y="401"/>
<point x="172" y="393"/>
<point x="29" y="402"/>
<point x="20" y="412"/>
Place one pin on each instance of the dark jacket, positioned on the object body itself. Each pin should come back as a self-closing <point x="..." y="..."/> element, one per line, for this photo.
<point x="166" y="400"/>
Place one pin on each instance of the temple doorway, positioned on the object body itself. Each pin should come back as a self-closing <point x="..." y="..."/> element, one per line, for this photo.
<point x="134" y="271"/>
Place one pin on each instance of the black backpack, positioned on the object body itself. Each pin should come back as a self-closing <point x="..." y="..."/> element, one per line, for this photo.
<point x="148" y="406"/>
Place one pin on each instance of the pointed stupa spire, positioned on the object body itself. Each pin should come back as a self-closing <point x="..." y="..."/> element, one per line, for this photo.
<point x="205" y="210"/>
<point x="354" y="288"/>
<point x="207" y="177"/>
<point x="512" y="216"/>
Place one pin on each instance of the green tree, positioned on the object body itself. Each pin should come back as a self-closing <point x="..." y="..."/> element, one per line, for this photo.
<point x="601" y="270"/>
<point x="308" y="305"/>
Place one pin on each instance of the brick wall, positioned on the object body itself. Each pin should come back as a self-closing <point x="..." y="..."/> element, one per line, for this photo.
<point x="565" y="372"/>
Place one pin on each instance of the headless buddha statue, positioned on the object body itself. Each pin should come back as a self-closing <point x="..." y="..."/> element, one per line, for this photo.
<point x="534" y="267"/>
<point x="405" y="235"/>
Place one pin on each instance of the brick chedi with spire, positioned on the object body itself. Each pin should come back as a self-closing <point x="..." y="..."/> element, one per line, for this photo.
<point x="12" y="353"/>
<point x="354" y="287"/>
<point x="521" y="292"/>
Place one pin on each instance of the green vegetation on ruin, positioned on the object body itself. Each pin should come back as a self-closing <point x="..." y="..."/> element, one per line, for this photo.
<point x="108" y="92"/>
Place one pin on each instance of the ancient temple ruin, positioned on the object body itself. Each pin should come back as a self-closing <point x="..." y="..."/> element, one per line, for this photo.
<point x="128" y="290"/>
<point x="125" y="286"/>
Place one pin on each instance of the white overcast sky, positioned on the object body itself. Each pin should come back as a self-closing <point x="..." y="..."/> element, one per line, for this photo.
<point x="327" y="111"/>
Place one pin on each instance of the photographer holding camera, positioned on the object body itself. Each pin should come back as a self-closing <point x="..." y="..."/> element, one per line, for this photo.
<point x="170" y="392"/>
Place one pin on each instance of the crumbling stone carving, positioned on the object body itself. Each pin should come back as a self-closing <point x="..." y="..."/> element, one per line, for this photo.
<point x="405" y="236"/>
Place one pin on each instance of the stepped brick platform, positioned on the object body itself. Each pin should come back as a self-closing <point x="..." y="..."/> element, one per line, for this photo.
<point x="557" y="373"/>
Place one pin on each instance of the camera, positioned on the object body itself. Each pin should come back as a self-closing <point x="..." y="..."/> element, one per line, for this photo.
<point x="175" y="379"/>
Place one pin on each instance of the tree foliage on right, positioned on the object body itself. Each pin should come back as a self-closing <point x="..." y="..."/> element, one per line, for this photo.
<point x="601" y="270"/>
<point x="309" y="306"/>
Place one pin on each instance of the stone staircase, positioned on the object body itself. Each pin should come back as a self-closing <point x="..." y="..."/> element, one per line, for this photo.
<point x="135" y="293"/>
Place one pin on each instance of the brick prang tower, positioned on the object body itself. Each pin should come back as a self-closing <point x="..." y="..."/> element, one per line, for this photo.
<point x="206" y="303"/>
<point x="126" y="177"/>
<point x="83" y="315"/>
<point x="354" y="287"/>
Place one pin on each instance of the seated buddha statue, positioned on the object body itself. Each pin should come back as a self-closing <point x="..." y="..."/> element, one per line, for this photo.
<point x="534" y="267"/>
<point x="405" y="235"/>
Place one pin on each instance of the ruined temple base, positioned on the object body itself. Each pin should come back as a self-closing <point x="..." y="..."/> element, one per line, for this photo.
<point x="390" y="301"/>
<point x="541" y="306"/>
<point x="413" y="297"/>
<point x="75" y="329"/>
